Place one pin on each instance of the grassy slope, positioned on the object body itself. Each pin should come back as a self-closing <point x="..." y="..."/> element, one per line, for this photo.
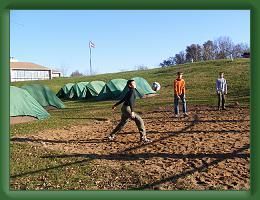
<point x="200" y="78"/>
<point x="49" y="173"/>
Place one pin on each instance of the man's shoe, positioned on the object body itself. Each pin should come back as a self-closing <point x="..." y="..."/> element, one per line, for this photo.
<point x="185" y="115"/>
<point x="145" y="140"/>
<point x="111" y="137"/>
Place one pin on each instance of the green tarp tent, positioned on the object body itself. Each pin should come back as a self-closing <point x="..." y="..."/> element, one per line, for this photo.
<point x="112" y="89"/>
<point x="43" y="95"/>
<point x="93" y="89"/>
<point x="77" y="90"/>
<point x="23" y="104"/>
<point x="142" y="88"/>
<point x="64" y="92"/>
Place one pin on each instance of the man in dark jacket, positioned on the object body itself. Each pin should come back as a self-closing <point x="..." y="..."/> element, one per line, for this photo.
<point x="128" y="113"/>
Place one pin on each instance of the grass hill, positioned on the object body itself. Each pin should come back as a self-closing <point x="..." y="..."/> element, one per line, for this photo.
<point x="200" y="80"/>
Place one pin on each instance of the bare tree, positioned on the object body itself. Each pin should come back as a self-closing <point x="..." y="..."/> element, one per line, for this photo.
<point x="193" y="53"/>
<point x="223" y="47"/>
<point x="239" y="49"/>
<point x="63" y="70"/>
<point x="180" y="58"/>
<point x="76" y="73"/>
<point x="208" y="50"/>
<point x="168" y="62"/>
<point x="141" y="67"/>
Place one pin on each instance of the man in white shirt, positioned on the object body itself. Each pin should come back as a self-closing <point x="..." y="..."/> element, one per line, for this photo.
<point x="221" y="89"/>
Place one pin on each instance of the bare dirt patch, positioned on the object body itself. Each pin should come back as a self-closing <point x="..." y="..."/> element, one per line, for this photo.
<point x="21" y="119"/>
<point x="208" y="150"/>
<point x="50" y="108"/>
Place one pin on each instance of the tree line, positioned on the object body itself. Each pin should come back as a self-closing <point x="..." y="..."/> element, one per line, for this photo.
<point x="221" y="48"/>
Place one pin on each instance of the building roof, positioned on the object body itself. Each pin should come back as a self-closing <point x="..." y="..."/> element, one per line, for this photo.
<point x="27" y="66"/>
<point x="56" y="71"/>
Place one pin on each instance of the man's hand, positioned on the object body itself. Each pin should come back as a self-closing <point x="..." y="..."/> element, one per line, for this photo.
<point x="132" y="115"/>
<point x="113" y="107"/>
<point x="178" y="97"/>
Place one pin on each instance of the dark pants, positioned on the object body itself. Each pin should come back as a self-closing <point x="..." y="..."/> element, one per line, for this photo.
<point x="126" y="115"/>
<point x="221" y="100"/>
<point x="176" y="104"/>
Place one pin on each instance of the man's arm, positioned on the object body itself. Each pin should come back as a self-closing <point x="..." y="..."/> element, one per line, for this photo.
<point x="175" y="87"/>
<point x="225" y="87"/>
<point x="184" y="89"/>
<point x="217" y="87"/>
<point x="122" y="100"/>
<point x="119" y="102"/>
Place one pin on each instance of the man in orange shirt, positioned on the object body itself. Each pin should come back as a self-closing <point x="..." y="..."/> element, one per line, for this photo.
<point x="179" y="94"/>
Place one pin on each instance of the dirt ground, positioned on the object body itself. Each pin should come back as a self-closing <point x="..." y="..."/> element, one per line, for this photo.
<point x="209" y="150"/>
<point x="26" y="119"/>
<point x="21" y="119"/>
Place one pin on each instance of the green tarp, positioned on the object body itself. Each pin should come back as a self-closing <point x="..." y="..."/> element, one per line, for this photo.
<point x="93" y="89"/>
<point x="112" y="89"/>
<point x="142" y="88"/>
<point x="43" y="95"/>
<point x="77" y="90"/>
<point x="23" y="104"/>
<point x="64" y="92"/>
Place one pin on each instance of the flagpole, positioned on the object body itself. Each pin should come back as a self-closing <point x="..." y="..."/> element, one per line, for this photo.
<point x="90" y="60"/>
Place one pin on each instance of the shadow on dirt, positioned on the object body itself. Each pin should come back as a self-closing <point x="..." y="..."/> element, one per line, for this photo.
<point x="88" y="118"/>
<point x="195" y="169"/>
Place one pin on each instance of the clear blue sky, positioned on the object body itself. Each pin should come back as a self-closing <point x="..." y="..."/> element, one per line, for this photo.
<point x="123" y="39"/>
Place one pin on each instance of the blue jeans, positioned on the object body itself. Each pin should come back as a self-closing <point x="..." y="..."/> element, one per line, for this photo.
<point x="176" y="104"/>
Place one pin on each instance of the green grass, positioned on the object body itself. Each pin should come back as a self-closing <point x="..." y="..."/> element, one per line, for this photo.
<point x="31" y="171"/>
<point x="71" y="173"/>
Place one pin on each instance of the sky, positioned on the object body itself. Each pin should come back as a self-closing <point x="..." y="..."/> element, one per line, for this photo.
<point x="123" y="40"/>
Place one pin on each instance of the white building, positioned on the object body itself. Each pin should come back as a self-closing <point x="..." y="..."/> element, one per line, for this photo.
<point x="25" y="71"/>
<point x="56" y="73"/>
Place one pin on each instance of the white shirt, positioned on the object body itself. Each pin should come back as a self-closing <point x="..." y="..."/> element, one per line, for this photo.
<point x="221" y="85"/>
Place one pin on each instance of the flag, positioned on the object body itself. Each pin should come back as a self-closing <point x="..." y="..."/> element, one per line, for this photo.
<point x="91" y="45"/>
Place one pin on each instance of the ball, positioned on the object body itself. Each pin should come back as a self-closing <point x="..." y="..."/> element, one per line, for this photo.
<point x="156" y="86"/>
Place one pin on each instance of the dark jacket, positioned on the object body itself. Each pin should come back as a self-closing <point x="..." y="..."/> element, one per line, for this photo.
<point x="129" y="99"/>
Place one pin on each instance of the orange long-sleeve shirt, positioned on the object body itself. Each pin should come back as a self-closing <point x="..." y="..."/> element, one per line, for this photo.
<point x="179" y="86"/>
